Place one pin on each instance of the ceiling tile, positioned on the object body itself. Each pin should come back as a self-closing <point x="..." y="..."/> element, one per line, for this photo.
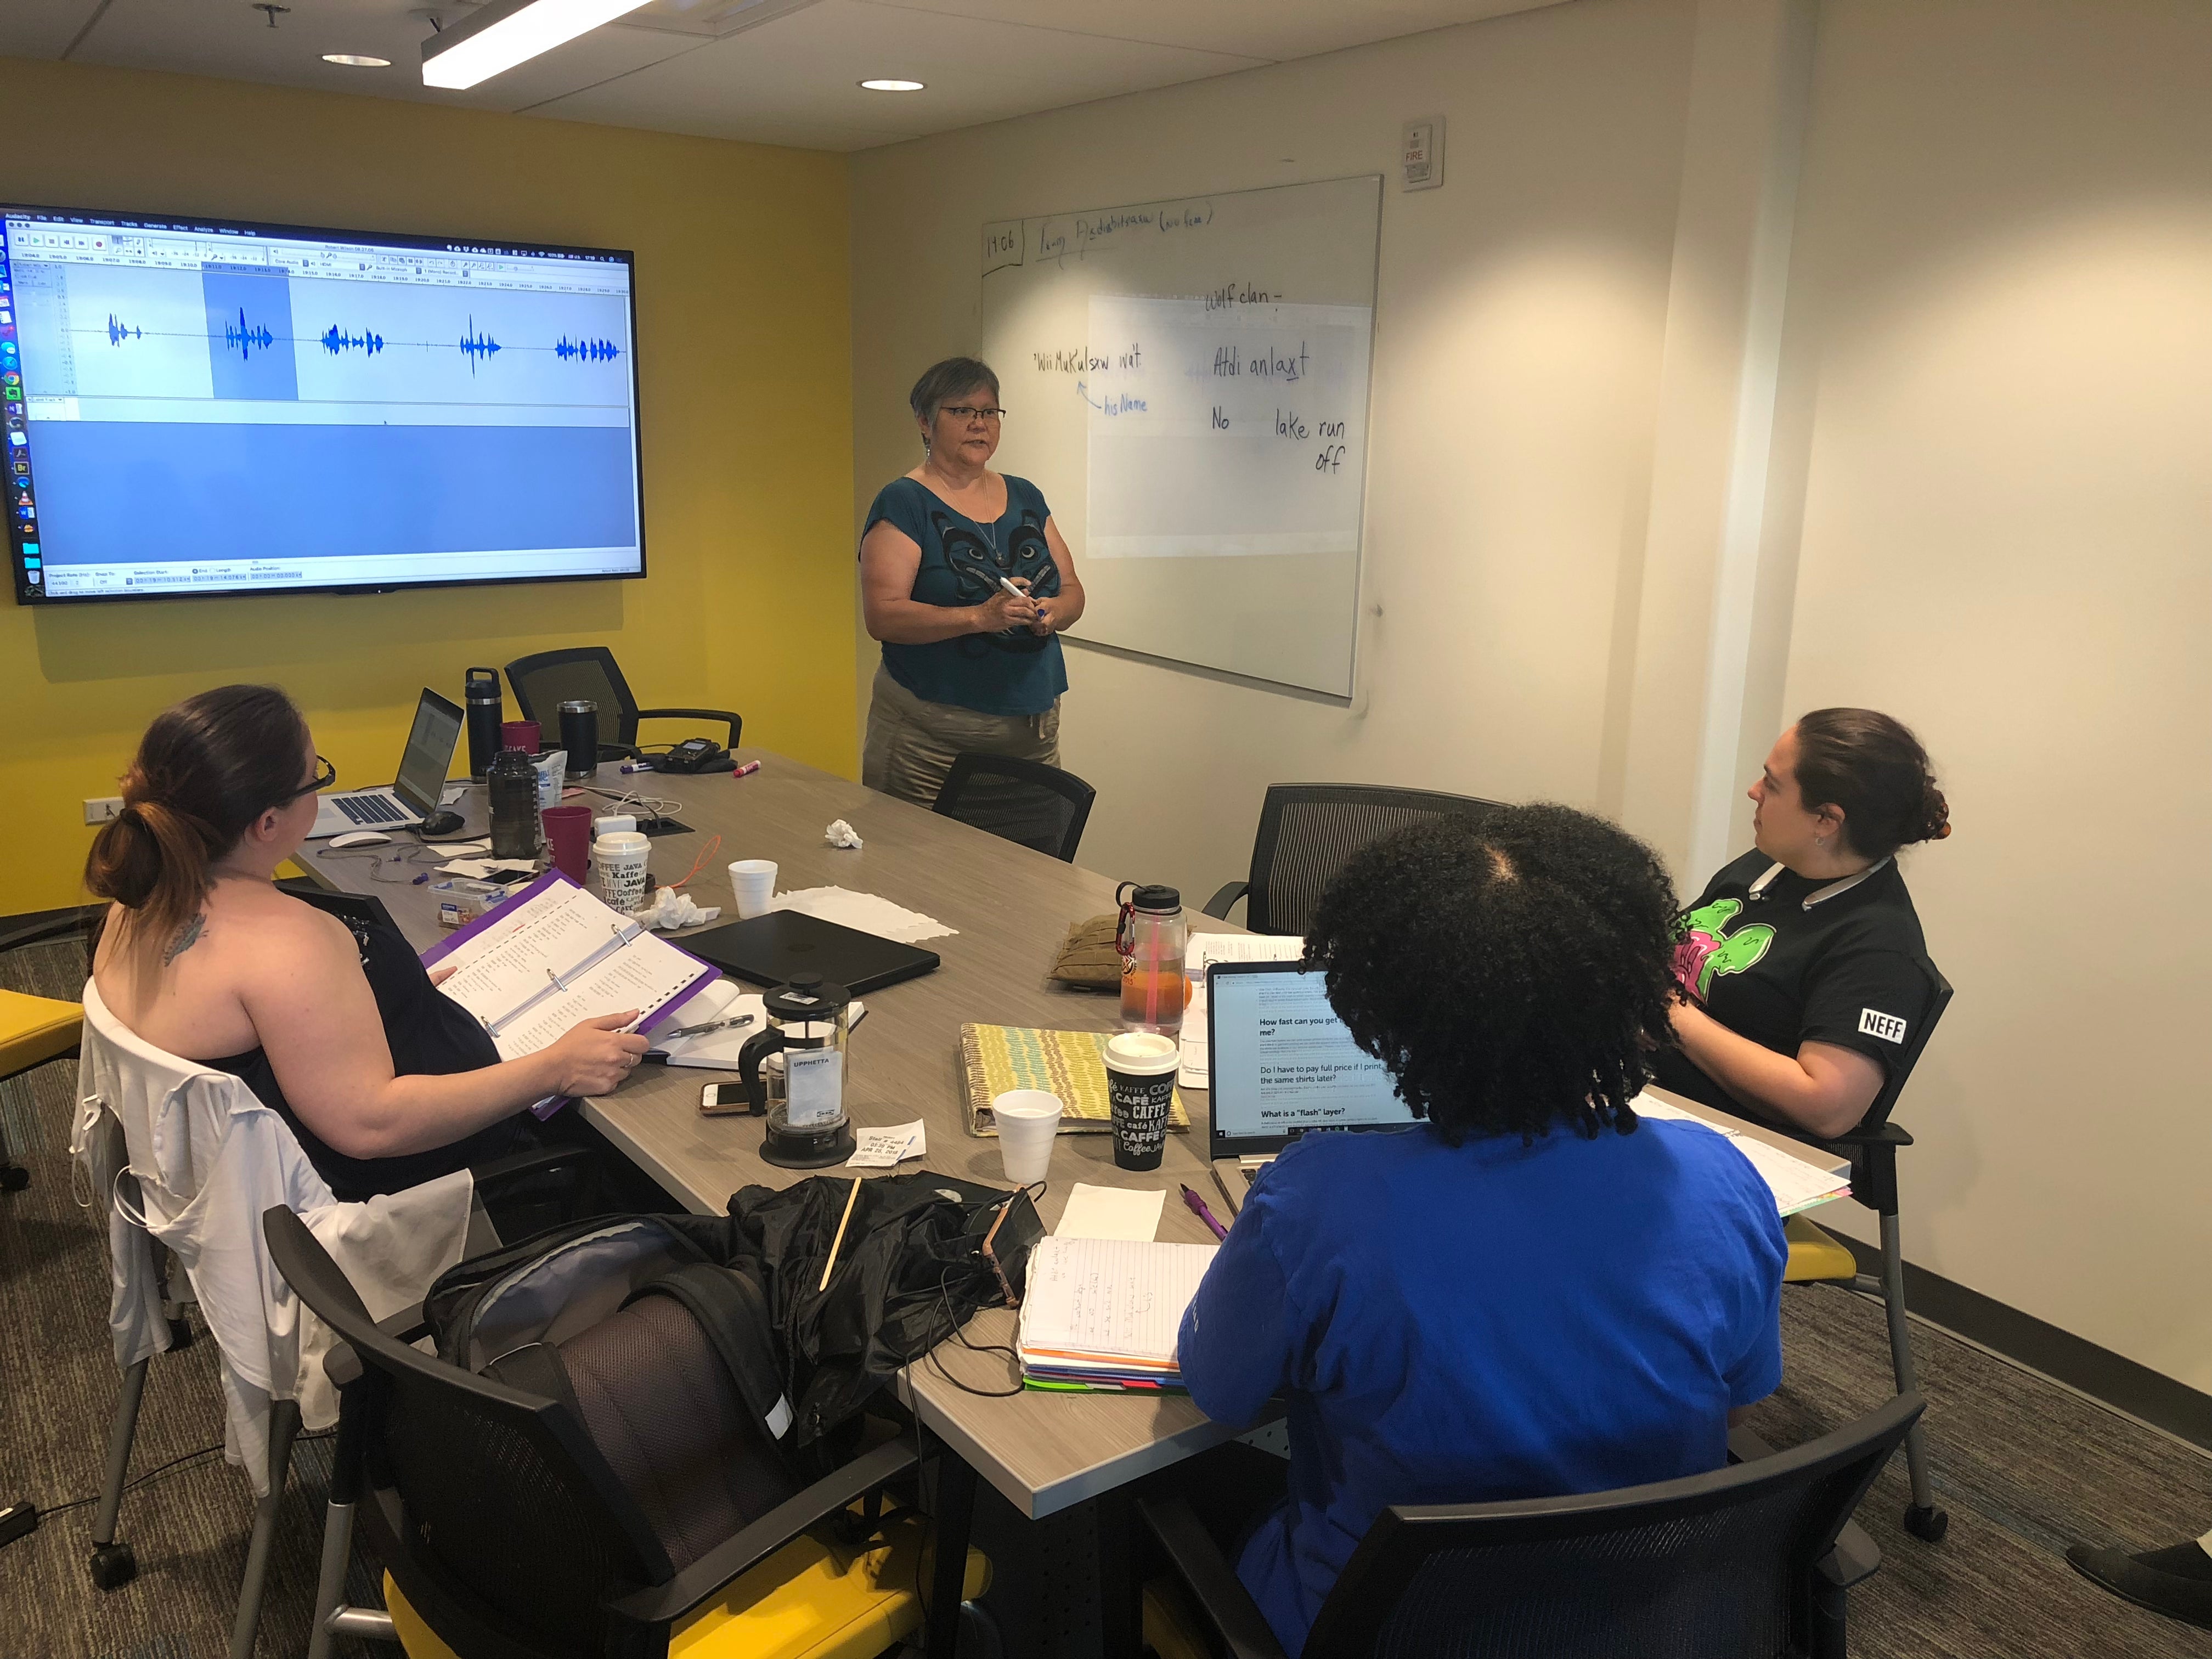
<point x="44" y="28"/>
<point x="228" y="38"/>
<point x="1273" y="29"/>
<point x="804" y="70"/>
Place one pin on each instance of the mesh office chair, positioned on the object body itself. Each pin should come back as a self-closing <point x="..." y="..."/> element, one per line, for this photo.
<point x="1023" y="801"/>
<point x="1817" y="1257"/>
<point x="506" y="1530"/>
<point x="1739" y="1563"/>
<point x="1308" y="831"/>
<point x="541" y="683"/>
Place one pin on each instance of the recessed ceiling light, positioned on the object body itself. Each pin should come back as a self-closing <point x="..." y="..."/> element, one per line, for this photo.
<point x="892" y="86"/>
<point x="356" y="60"/>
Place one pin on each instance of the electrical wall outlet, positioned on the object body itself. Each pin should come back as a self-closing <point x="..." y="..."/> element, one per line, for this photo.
<point x="104" y="808"/>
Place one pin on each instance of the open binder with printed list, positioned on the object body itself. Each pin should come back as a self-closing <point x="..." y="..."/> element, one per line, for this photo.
<point x="554" y="954"/>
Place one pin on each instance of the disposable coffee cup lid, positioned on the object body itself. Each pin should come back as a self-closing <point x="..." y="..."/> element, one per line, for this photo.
<point x="622" y="841"/>
<point x="1141" y="1054"/>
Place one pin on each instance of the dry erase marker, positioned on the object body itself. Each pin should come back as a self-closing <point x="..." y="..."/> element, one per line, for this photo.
<point x="746" y="771"/>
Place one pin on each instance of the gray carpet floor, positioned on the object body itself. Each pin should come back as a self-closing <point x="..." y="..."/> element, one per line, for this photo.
<point x="2023" y="1465"/>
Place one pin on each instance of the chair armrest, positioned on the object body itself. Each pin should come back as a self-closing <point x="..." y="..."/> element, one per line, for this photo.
<point x="1889" y="1135"/>
<point x="663" y="1604"/>
<point x="1222" y="902"/>
<point x="1198" y="1560"/>
<point x="735" y="722"/>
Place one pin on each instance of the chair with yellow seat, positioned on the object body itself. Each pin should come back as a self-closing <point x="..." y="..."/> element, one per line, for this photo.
<point x="32" y="1031"/>
<point x="1817" y="1257"/>
<point x="506" y="1530"/>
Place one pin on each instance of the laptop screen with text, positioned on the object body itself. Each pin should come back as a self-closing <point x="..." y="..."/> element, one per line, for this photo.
<point x="429" y="752"/>
<point x="1282" y="1062"/>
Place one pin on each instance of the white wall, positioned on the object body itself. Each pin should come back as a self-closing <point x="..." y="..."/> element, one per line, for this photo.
<point x="1986" y="510"/>
<point x="2003" y="313"/>
<point x="1519" y="315"/>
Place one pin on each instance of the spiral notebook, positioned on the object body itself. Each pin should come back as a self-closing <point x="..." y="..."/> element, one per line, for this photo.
<point x="554" y="954"/>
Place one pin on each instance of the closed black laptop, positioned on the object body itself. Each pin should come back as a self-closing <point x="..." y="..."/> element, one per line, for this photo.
<point x="768" y="950"/>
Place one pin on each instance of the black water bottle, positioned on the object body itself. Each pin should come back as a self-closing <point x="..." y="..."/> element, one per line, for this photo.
<point x="512" y="787"/>
<point x="487" y="709"/>
<point x="580" y="736"/>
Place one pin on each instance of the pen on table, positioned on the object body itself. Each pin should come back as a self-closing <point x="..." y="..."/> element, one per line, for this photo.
<point x="1198" y="1208"/>
<point x="701" y="1030"/>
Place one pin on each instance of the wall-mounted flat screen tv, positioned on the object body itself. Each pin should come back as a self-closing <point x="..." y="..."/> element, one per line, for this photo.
<point x="198" y="406"/>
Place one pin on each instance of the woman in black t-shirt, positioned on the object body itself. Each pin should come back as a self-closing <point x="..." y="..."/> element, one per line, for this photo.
<point x="1801" y="968"/>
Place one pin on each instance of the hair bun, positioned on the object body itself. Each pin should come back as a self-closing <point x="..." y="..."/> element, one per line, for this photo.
<point x="1934" y="813"/>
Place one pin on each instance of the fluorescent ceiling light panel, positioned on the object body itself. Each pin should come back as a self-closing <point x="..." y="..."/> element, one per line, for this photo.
<point x="356" y="60"/>
<point x="511" y="31"/>
<point x="891" y="86"/>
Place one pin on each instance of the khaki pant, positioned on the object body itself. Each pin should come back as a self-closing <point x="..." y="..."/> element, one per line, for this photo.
<point x="911" y="743"/>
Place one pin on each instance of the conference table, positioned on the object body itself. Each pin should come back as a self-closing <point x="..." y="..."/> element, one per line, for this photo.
<point x="1045" y="1452"/>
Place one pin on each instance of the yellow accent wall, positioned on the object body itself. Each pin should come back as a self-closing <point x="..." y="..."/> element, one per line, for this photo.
<point x="744" y="371"/>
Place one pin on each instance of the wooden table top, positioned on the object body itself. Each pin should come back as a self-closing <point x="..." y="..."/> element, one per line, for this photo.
<point x="1012" y="908"/>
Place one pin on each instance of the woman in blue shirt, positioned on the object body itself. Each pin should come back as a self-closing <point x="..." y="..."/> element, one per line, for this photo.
<point x="967" y="665"/>
<point x="1533" y="1293"/>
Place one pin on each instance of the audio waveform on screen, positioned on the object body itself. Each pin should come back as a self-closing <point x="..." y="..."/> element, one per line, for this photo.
<point x="337" y="341"/>
<point x="477" y="345"/>
<point x="246" y="338"/>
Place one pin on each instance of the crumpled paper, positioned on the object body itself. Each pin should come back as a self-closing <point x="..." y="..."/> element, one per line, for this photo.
<point x="842" y="834"/>
<point x="671" y="909"/>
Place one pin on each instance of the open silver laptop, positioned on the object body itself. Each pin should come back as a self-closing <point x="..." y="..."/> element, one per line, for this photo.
<point x="413" y="795"/>
<point x="1283" y="1066"/>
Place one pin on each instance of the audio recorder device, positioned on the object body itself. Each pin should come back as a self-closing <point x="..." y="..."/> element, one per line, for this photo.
<point x="197" y="405"/>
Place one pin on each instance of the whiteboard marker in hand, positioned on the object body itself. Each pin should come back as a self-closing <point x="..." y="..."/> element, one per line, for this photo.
<point x="1007" y="583"/>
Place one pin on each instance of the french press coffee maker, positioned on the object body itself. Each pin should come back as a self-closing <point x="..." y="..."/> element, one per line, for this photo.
<point x="803" y="1098"/>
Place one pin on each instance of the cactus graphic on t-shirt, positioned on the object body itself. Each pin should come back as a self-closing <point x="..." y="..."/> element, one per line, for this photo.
<point x="1705" y="949"/>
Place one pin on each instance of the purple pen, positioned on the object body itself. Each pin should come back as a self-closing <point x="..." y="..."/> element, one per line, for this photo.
<point x="1198" y="1208"/>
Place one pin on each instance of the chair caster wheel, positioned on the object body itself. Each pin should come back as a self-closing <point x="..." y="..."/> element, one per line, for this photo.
<point x="113" y="1565"/>
<point x="1928" y="1524"/>
<point x="14" y="1177"/>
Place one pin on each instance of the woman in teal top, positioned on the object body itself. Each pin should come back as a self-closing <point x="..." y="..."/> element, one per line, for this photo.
<point x="967" y="665"/>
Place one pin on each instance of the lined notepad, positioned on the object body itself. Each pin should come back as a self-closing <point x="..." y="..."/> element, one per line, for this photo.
<point x="1102" y="1313"/>
<point x="1795" y="1184"/>
<point x="554" y="955"/>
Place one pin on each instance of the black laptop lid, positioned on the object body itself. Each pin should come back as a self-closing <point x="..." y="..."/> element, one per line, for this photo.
<point x="768" y="950"/>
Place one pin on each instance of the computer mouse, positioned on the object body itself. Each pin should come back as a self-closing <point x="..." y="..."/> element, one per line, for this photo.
<point x="360" y="838"/>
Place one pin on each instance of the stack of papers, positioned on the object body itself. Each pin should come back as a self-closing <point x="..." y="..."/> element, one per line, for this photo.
<point x="1795" y="1184"/>
<point x="1195" y="1069"/>
<point x="864" y="913"/>
<point x="1101" y="1314"/>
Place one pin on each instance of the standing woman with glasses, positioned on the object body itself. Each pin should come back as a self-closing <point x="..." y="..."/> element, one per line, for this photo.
<point x="386" y="1082"/>
<point x="967" y="664"/>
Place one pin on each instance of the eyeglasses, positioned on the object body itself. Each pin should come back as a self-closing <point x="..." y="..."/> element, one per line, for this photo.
<point x="326" y="776"/>
<point x="970" y="412"/>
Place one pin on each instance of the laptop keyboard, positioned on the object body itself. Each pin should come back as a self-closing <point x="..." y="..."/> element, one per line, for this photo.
<point x="368" y="809"/>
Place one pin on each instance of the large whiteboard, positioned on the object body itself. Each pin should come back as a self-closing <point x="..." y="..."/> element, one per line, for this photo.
<point x="1187" y="382"/>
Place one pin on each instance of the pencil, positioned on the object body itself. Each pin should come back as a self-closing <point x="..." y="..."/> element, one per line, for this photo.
<point x="830" y="1265"/>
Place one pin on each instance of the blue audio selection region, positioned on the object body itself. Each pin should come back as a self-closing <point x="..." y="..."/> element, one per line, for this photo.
<point x="249" y="310"/>
<point x="336" y="340"/>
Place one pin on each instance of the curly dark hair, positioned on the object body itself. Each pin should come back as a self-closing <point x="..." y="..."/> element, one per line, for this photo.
<point x="1511" y="970"/>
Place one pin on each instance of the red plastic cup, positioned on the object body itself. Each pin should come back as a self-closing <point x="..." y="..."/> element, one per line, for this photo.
<point x="568" y="834"/>
<point x="520" y="734"/>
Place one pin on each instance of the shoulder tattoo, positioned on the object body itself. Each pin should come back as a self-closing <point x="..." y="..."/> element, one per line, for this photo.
<point x="187" y="936"/>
